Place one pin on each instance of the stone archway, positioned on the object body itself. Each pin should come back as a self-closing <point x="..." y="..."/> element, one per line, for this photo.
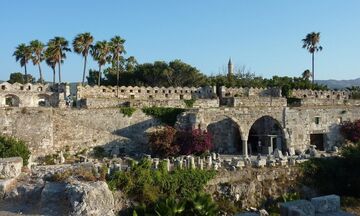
<point x="43" y="100"/>
<point x="226" y="136"/>
<point x="12" y="100"/>
<point x="266" y="135"/>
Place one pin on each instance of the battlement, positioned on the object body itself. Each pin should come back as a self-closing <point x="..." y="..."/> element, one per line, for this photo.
<point x="249" y="92"/>
<point x="31" y="95"/>
<point x="326" y="94"/>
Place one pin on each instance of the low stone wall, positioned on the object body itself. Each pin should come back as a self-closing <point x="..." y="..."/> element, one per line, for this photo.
<point x="95" y="103"/>
<point x="329" y="102"/>
<point x="259" y="101"/>
<point x="10" y="167"/>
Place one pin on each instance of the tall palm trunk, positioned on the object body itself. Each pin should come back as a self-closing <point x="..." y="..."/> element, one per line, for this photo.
<point x="313" y="72"/>
<point x="26" y="76"/>
<point x="99" y="78"/>
<point x="85" y="60"/>
<point x="59" y="68"/>
<point x="117" y="76"/>
<point x="40" y="72"/>
<point x="54" y="72"/>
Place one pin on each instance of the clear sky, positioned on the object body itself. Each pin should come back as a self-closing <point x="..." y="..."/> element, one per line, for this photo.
<point x="264" y="35"/>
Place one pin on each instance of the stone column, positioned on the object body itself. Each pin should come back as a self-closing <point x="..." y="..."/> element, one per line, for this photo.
<point x="245" y="148"/>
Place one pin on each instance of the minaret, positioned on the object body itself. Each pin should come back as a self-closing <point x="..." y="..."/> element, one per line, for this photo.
<point x="230" y="69"/>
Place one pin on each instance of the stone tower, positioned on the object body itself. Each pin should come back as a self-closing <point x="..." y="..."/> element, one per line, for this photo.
<point x="230" y="69"/>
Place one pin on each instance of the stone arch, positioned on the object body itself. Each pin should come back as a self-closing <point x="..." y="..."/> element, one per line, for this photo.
<point x="265" y="135"/>
<point x="43" y="100"/>
<point x="226" y="135"/>
<point x="12" y="100"/>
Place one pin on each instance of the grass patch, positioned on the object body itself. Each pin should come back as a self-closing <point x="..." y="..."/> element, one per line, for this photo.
<point x="189" y="103"/>
<point x="127" y="111"/>
<point x="165" y="114"/>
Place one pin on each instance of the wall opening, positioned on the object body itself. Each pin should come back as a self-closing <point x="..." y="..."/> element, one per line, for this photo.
<point x="318" y="140"/>
<point x="226" y="136"/>
<point x="12" y="101"/>
<point x="266" y="135"/>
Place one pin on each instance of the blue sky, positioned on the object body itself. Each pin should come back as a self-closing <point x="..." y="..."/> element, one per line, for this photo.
<point x="263" y="35"/>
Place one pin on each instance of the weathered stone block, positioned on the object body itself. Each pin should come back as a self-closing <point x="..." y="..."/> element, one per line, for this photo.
<point x="297" y="208"/>
<point x="10" y="167"/>
<point x="325" y="204"/>
<point x="5" y="185"/>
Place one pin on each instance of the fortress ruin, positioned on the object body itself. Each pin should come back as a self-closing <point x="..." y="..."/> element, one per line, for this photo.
<point x="241" y="120"/>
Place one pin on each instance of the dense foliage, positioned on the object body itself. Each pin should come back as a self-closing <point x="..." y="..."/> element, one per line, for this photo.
<point x="21" y="78"/>
<point x="163" y="142"/>
<point x="351" y="130"/>
<point x="166" y="115"/>
<point x="147" y="185"/>
<point x="171" y="142"/>
<point x="189" y="103"/>
<point x="11" y="147"/>
<point x="338" y="175"/>
<point x="127" y="111"/>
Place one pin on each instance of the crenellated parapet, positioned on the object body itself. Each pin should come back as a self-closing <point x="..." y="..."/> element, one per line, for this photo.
<point x="31" y="95"/>
<point x="320" y="94"/>
<point x="146" y="93"/>
<point x="249" y="92"/>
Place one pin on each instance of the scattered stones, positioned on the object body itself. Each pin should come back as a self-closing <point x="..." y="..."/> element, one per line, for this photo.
<point x="10" y="167"/>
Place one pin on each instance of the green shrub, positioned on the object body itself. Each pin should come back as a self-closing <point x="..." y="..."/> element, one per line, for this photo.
<point x="147" y="185"/>
<point x="99" y="152"/>
<point x="12" y="147"/>
<point x="127" y="111"/>
<point x="48" y="159"/>
<point x="189" y="103"/>
<point x="165" y="114"/>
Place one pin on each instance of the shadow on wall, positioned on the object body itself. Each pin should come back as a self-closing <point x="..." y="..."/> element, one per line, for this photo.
<point x="136" y="135"/>
<point x="226" y="136"/>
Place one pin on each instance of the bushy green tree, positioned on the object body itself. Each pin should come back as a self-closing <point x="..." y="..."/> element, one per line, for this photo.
<point x="11" y="147"/>
<point x="18" y="77"/>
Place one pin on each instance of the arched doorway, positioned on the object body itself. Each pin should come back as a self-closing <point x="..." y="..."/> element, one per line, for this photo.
<point x="266" y="135"/>
<point x="226" y="136"/>
<point x="43" y="100"/>
<point x="12" y="101"/>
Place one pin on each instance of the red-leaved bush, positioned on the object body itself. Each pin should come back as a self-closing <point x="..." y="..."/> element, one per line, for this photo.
<point x="162" y="142"/>
<point x="351" y="130"/>
<point x="170" y="142"/>
<point x="195" y="141"/>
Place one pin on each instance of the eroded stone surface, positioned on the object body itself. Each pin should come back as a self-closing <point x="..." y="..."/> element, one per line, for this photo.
<point x="10" y="167"/>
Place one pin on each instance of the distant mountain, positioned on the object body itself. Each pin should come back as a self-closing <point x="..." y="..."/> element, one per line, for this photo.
<point x="339" y="84"/>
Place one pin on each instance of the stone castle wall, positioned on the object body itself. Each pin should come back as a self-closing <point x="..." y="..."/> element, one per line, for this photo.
<point x="47" y="130"/>
<point x="312" y="94"/>
<point x="249" y="92"/>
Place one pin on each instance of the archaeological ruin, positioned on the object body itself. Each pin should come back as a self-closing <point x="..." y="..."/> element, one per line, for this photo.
<point x="242" y="121"/>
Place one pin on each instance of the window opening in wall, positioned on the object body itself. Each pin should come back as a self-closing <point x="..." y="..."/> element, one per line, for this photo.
<point x="3" y="87"/>
<point x="40" y="89"/>
<point x="131" y="90"/>
<point x="113" y="90"/>
<point x="181" y="97"/>
<point x="122" y="90"/>
<point x="21" y="87"/>
<point x="29" y="87"/>
<point x="169" y="91"/>
<point x="156" y="91"/>
<point x="317" y="120"/>
<point x="150" y="97"/>
<point x="163" y="91"/>
<point x="148" y="91"/>
<point x="175" y="91"/>
<point x="104" y="90"/>
<point x="139" y="91"/>
<point x="132" y="96"/>
<point x="166" y="95"/>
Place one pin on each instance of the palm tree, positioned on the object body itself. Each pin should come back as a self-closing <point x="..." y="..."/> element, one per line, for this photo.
<point x="23" y="55"/>
<point x="117" y="48"/>
<point x="311" y="43"/>
<point x="82" y="44"/>
<point x="50" y="61"/>
<point x="101" y="53"/>
<point x="37" y="49"/>
<point x="306" y="75"/>
<point x="58" y="46"/>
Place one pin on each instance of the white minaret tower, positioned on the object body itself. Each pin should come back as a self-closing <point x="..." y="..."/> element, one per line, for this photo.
<point x="230" y="69"/>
